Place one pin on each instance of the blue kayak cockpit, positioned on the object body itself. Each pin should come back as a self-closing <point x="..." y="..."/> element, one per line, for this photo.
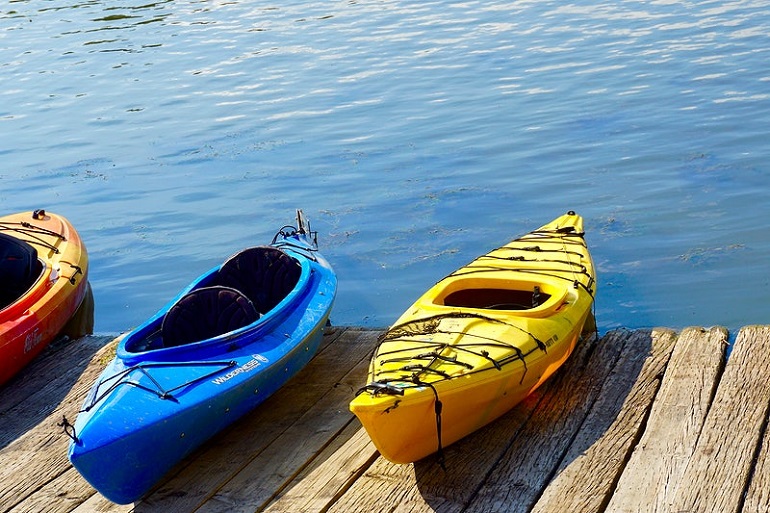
<point x="245" y="290"/>
<point x="206" y="313"/>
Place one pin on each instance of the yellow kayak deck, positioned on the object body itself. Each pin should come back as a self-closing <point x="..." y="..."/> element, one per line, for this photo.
<point x="478" y="342"/>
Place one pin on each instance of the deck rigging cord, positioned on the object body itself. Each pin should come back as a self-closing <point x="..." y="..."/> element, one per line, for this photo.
<point x="33" y="231"/>
<point x="287" y="232"/>
<point x="566" y="236"/>
<point x="122" y="378"/>
<point x="431" y="326"/>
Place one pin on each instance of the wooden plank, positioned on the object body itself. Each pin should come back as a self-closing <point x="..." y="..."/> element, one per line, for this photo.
<point x="34" y="452"/>
<point x="386" y="486"/>
<point x="528" y="465"/>
<point x="717" y="475"/>
<point x="758" y="495"/>
<point x="654" y="472"/>
<point x="96" y="503"/>
<point x="43" y="384"/>
<point x="424" y="486"/>
<point x="60" y="495"/>
<point x="586" y="477"/>
<point x="252" y="487"/>
<point x="208" y="469"/>
<point x="329" y="475"/>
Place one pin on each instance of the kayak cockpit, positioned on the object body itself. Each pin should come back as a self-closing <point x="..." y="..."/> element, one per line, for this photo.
<point x="250" y="285"/>
<point x="206" y="313"/>
<point x="20" y="268"/>
<point x="497" y="299"/>
<point x="525" y="297"/>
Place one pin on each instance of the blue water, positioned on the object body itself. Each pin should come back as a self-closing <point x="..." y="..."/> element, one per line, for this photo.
<point x="414" y="135"/>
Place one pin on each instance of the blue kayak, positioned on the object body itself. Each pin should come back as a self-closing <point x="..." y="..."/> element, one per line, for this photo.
<point x="217" y="350"/>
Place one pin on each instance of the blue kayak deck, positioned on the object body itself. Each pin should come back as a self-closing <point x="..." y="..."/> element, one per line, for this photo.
<point x="637" y="420"/>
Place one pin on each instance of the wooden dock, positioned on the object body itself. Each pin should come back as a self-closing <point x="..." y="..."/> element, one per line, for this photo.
<point x="642" y="420"/>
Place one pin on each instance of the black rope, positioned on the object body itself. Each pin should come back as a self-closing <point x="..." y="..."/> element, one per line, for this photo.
<point x="538" y="272"/>
<point x="425" y="369"/>
<point x="533" y="249"/>
<point x="285" y="231"/>
<point x="307" y="252"/>
<point x="380" y="387"/>
<point x="69" y="429"/>
<point x="33" y="231"/>
<point x="159" y="390"/>
<point x="399" y="331"/>
<point x="567" y="262"/>
<point x="433" y="356"/>
<point x="433" y="322"/>
<point x="40" y="229"/>
<point x="77" y="269"/>
<point x="566" y="232"/>
<point x="438" y="407"/>
<point x="466" y="347"/>
<point x="384" y="387"/>
<point x="498" y="364"/>
<point x="288" y="231"/>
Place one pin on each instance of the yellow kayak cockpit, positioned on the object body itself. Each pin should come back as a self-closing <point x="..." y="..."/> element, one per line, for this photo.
<point x="526" y="298"/>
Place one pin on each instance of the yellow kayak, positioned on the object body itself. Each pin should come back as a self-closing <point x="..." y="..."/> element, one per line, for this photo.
<point x="478" y="342"/>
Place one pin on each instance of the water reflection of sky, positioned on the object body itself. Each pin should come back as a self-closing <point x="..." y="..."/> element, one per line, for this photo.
<point x="415" y="136"/>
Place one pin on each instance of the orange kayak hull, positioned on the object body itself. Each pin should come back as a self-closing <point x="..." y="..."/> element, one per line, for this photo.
<point x="31" y="322"/>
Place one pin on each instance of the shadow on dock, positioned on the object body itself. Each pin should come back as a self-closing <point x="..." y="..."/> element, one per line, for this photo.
<point x="33" y="395"/>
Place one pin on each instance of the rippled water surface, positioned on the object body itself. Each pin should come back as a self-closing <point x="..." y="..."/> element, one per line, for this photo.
<point x="415" y="135"/>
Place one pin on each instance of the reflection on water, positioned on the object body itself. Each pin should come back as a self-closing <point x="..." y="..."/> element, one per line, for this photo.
<point x="415" y="135"/>
<point x="82" y="321"/>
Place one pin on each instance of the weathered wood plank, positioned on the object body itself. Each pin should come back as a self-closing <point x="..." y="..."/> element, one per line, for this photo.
<point x="60" y="495"/>
<point x="654" y="472"/>
<point x="717" y="475"/>
<point x="43" y="384"/>
<point x="269" y="472"/>
<point x="524" y="471"/>
<point x="96" y="503"/>
<point x="34" y="451"/>
<point x="329" y="475"/>
<point x="424" y="486"/>
<point x="585" y="479"/>
<point x="758" y="495"/>
<point x="386" y="486"/>
<point x="210" y="468"/>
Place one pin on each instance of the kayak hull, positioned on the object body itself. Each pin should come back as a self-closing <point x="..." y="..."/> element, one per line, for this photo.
<point x="153" y="405"/>
<point x="31" y="322"/>
<point x="468" y="350"/>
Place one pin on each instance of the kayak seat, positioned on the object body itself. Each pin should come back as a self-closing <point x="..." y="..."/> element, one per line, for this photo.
<point x="19" y="268"/>
<point x="205" y="313"/>
<point x="264" y="274"/>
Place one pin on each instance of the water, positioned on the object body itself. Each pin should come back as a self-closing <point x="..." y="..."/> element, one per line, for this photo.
<point x="415" y="136"/>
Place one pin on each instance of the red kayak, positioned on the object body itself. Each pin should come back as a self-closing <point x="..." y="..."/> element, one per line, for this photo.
<point x="43" y="269"/>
